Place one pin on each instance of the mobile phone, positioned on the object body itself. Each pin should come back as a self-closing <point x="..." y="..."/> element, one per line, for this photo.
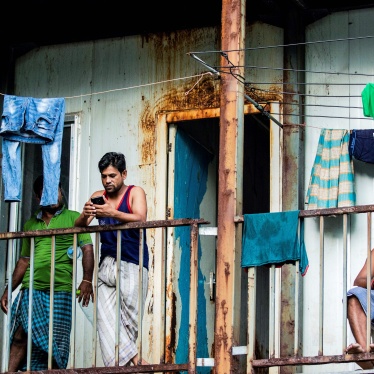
<point x="98" y="200"/>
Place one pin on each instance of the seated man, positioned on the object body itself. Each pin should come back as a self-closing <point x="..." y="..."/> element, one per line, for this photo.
<point x="357" y="307"/>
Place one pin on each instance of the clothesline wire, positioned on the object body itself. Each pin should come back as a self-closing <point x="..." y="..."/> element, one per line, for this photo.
<point x="231" y="67"/>
<point x="297" y="70"/>
<point x="311" y="84"/>
<point x="325" y="116"/>
<point x="277" y="92"/>
<point x="321" y="105"/>
<point x="241" y="79"/>
<point x="221" y="69"/>
<point x="210" y="73"/>
<point x="307" y="95"/>
<point x="285" y="45"/>
<point x="133" y="87"/>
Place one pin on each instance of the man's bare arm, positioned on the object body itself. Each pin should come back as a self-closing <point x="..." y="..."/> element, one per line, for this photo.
<point x="18" y="273"/>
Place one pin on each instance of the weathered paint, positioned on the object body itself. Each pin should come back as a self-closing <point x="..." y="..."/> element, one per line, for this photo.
<point x="116" y="119"/>
<point x="191" y="187"/>
<point x="233" y="32"/>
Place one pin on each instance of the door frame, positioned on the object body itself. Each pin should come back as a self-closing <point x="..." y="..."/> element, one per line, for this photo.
<point x="162" y="190"/>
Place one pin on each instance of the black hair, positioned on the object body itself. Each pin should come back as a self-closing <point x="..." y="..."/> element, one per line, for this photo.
<point x="114" y="159"/>
<point x="38" y="186"/>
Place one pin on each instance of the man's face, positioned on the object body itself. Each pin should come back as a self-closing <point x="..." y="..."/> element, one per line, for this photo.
<point x="112" y="179"/>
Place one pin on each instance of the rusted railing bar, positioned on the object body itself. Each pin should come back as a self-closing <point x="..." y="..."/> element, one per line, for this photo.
<point x="326" y="212"/>
<point x="192" y="340"/>
<point x="297" y="310"/>
<point x="118" y="298"/>
<point x="31" y="293"/>
<point x="344" y="295"/>
<point x="10" y="266"/>
<point x="98" y="228"/>
<point x="73" y="302"/>
<point x="140" y="299"/>
<point x="163" y="368"/>
<point x="51" y="302"/>
<point x="94" y="282"/>
<point x="272" y="309"/>
<point x="313" y="360"/>
<point x="251" y="321"/>
<point x="321" y="282"/>
<point x="368" y="284"/>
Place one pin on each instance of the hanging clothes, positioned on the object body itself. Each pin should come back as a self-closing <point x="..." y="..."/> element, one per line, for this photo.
<point x="273" y="238"/>
<point x="331" y="183"/>
<point x="38" y="121"/>
<point x="361" y="145"/>
<point x="367" y="96"/>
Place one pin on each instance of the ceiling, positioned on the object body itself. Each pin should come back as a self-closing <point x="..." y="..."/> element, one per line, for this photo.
<point x="69" y="21"/>
<point x="43" y="24"/>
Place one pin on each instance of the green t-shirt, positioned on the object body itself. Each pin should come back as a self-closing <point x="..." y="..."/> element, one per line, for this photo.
<point x="367" y="96"/>
<point x="64" y="218"/>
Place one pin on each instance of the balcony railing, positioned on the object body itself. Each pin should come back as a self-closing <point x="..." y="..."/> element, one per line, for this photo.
<point x="189" y="366"/>
<point x="254" y="361"/>
<point x="275" y="359"/>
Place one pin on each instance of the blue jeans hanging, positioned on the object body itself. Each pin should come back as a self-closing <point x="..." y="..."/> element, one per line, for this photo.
<point x="37" y="121"/>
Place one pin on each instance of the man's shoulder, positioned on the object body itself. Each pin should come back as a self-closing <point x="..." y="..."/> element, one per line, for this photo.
<point x="137" y="191"/>
<point x="98" y="193"/>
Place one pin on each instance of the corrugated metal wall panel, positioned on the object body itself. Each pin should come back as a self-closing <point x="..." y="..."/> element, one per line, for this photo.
<point x="346" y="67"/>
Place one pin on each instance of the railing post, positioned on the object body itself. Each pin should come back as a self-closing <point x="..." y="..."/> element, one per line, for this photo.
<point x="192" y="346"/>
<point x="368" y="276"/>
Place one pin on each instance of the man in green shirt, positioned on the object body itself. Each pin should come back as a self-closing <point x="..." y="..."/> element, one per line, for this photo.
<point x="47" y="217"/>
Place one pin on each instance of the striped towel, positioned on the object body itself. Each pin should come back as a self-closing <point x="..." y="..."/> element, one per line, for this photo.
<point x="331" y="182"/>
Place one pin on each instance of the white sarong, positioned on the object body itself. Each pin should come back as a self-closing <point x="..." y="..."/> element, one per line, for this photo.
<point x="106" y="310"/>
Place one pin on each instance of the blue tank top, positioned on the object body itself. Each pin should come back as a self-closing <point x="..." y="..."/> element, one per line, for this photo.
<point x="130" y="237"/>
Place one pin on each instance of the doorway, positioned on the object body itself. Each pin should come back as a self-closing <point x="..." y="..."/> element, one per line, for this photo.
<point x="192" y="192"/>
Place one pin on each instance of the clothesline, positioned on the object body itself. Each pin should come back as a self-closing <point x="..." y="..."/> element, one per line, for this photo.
<point x="286" y="45"/>
<point x="299" y="71"/>
<point x="133" y="87"/>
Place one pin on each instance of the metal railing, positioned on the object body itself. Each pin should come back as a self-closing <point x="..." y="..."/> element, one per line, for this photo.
<point x="298" y="359"/>
<point x="189" y="366"/>
<point x="252" y="362"/>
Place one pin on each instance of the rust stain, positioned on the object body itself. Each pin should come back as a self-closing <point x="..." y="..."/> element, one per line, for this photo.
<point x="227" y="269"/>
<point x="191" y="95"/>
<point x="273" y="93"/>
<point x="194" y="93"/>
<point x="146" y="135"/>
<point x="171" y="338"/>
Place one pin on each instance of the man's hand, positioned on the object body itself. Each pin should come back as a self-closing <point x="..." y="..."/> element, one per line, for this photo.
<point x="4" y="301"/>
<point x="85" y="292"/>
<point x="89" y="209"/>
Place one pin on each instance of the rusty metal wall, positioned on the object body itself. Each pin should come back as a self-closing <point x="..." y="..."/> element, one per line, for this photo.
<point x="119" y="89"/>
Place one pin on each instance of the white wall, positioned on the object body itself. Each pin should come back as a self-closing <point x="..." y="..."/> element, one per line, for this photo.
<point x="352" y="58"/>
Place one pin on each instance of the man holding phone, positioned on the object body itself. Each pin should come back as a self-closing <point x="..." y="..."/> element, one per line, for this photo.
<point x="118" y="203"/>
